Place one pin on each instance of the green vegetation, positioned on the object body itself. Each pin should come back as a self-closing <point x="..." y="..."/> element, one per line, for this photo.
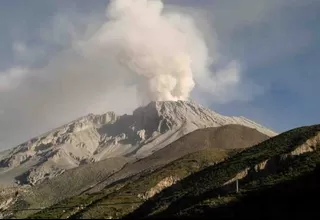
<point x="295" y="198"/>
<point x="287" y="179"/>
<point x="182" y="167"/>
<point x="64" y="208"/>
<point x="208" y="183"/>
<point x="203" y="189"/>
<point x="122" y="198"/>
<point x="69" y="184"/>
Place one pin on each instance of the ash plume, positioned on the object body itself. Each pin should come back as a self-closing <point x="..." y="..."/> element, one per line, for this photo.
<point x="139" y="52"/>
<point x="155" y="46"/>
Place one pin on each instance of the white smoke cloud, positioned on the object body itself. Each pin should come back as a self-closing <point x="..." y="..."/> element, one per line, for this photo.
<point x="155" y="46"/>
<point x="141" y="52"/>
<point x="164" y="49"/>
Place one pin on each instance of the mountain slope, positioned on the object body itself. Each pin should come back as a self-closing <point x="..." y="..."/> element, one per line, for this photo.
<point x="129" y="193"/>
<point x="198" y="149"/>
<point x="96" y="137"/>
<point x="279" y="159"/>
<point x="224" y="137"/>
<point x="294" y="198"/>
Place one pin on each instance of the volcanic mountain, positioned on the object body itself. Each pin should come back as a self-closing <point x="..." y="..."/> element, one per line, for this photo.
<point x="94" y="138"/>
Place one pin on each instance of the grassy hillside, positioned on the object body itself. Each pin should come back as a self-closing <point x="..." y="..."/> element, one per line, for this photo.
<point x="275" y="179"/>
<point x="121" y="198"/>
<point x="224" y="137"/>
<point x="70" y="183"/>
<point x="207" y="186"/>
<point x="196" y="151"/>
<point x="95" y="185"/>
<point x="278" y="196"/>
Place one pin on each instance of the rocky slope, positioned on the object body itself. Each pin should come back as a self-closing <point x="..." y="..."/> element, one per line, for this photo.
<point x="273" y="166"/>
<point x="224" y="137"/>
<point x="129" y="193"/>
<point x="96" y="137"/>
<point x="93" y="178"/>
<point x="281" y="173"/>
<point x="145" y="177"/>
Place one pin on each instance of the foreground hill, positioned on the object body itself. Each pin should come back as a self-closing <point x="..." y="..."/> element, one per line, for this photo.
<point x="295" y="198"/>
<point x="267" y="174"/>
<point x="188" y="154"/>
<point x="97" y="137"/>
<point x="276" y="178"/>
<point x="224" y="137"/>
<point x="122" y="197"/>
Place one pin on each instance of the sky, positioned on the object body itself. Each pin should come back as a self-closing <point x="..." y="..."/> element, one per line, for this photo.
<point x="60" y="60"/>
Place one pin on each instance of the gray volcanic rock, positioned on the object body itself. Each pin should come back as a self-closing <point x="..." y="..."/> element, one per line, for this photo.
<point x="97" y="137"/>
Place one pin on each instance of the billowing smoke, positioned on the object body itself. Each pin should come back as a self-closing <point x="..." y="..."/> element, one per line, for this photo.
<point x="156" y="46"/>
<point x="141" y="51"/>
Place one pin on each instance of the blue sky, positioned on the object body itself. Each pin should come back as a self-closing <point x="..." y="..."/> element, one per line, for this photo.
<point x="276" y="43"/>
